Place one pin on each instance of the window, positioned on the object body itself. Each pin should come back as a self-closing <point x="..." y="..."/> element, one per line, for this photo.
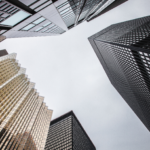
<point x="16" y="18"/>
<point x="47" y="24"/>
<point x="39" y="20"/>
<point x="38" y="29"/>
<point x="28" y="27"/>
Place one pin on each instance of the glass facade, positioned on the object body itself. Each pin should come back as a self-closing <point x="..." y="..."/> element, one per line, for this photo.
<point x="31" y="18"/>
<point x="123" y="50"/>
<point x="67" y="11"/>
<point x="74" y="12"/>
<point x="67" y="133"/>
<point x="24" y="118"/>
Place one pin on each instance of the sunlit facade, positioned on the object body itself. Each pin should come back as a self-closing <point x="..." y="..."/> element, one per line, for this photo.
<point x="66" y="133"/>
<point x="24" y="117"/>
<point x="31" y="18"/>
<point x="124" y="52"/>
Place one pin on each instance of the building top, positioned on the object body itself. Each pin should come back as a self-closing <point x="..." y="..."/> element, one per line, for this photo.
<point x="70" y="113"/>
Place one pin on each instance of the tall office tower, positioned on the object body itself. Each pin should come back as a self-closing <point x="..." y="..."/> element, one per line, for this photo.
<point x="24" y="117"/>
<point x="123" y="50"/>
<point x="30" y="18"/>
<point x="67" y="133"/>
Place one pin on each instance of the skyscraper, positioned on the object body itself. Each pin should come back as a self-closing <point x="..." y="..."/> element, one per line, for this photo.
<point x="67" y="133"/>
<point x="24" y="117"/>
<point x="30" y="18"/>
<point x="123" y="50"/>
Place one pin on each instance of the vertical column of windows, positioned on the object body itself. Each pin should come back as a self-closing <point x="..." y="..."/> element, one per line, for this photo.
<point x="37" y="132"/>
<point x="32" y="104"/>
<point x="7" y="70"/>
<point x="18" y="120"/>
<point x="8" y="94"/>
<point x="60" y="135"/>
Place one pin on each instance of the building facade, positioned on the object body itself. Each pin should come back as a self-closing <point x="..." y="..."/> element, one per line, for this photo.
<point x="31" y="18"/>
<point x="24" y="117"/>
<point x="67" y="133"/>
<point x="124" y="52"/>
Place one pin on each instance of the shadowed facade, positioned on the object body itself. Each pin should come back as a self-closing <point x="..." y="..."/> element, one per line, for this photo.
<point x="67" y="133"/>
<point x="124" y="52"/>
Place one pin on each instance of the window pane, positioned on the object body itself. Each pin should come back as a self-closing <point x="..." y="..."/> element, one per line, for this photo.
<point x="39" y="28"/>
<point x="62" y="12"/>
<point x="19" y="16"/>
<point x="39" y="20"/>
<point x="51" y="25"/>
<point x="47" y="24"/>
<point x="28" y="27"/>
<point x="44" y="29"/>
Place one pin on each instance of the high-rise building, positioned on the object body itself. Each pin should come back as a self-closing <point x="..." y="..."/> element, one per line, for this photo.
<point x="30" y="18"/>
<point x="67" y="133"/>
<point x="124" y="52"/>
<point x="24" y="117"/>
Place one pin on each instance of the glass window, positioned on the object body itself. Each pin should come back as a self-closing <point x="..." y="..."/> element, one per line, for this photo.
<point x="44" y="29"/>
<point x="28" y="27"/>
<point x="51" y="25"/>
<point x="14" y="19"/>
<point x="39" y="20"/>
<point x="62" y="12"/>
<point x="47" y="24"/>
<point x="38" y="29"/>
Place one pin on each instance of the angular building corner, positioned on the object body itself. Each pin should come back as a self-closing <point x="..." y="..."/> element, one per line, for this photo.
<point x="24" y="117"/>
<point x="30" y="18"/>
<point x="67" y="133"/>
<point x="124" y="52"/>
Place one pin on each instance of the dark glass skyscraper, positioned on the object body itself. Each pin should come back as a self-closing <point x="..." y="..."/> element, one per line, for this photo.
<point x="124" y="52"/>
<point x="67" y="133"/>
<point x="31" y="18"/>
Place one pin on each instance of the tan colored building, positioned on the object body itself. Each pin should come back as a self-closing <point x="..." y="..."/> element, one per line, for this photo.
<point x="24" y="117"/>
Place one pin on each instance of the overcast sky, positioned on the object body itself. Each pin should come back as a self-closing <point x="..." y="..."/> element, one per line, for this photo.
<point x="70" y="77"/>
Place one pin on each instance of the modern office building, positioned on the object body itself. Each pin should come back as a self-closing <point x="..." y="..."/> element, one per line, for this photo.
<point x="124" y="52"/>
<point x="66" y="133"/>
<point x="31" y="18"/>
<point x="24" y="117"/>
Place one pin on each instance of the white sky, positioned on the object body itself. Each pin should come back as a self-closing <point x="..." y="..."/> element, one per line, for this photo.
<point x="68" y="74"/>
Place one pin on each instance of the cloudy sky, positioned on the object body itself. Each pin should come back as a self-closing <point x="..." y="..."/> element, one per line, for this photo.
<point x="68" y="74"/>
